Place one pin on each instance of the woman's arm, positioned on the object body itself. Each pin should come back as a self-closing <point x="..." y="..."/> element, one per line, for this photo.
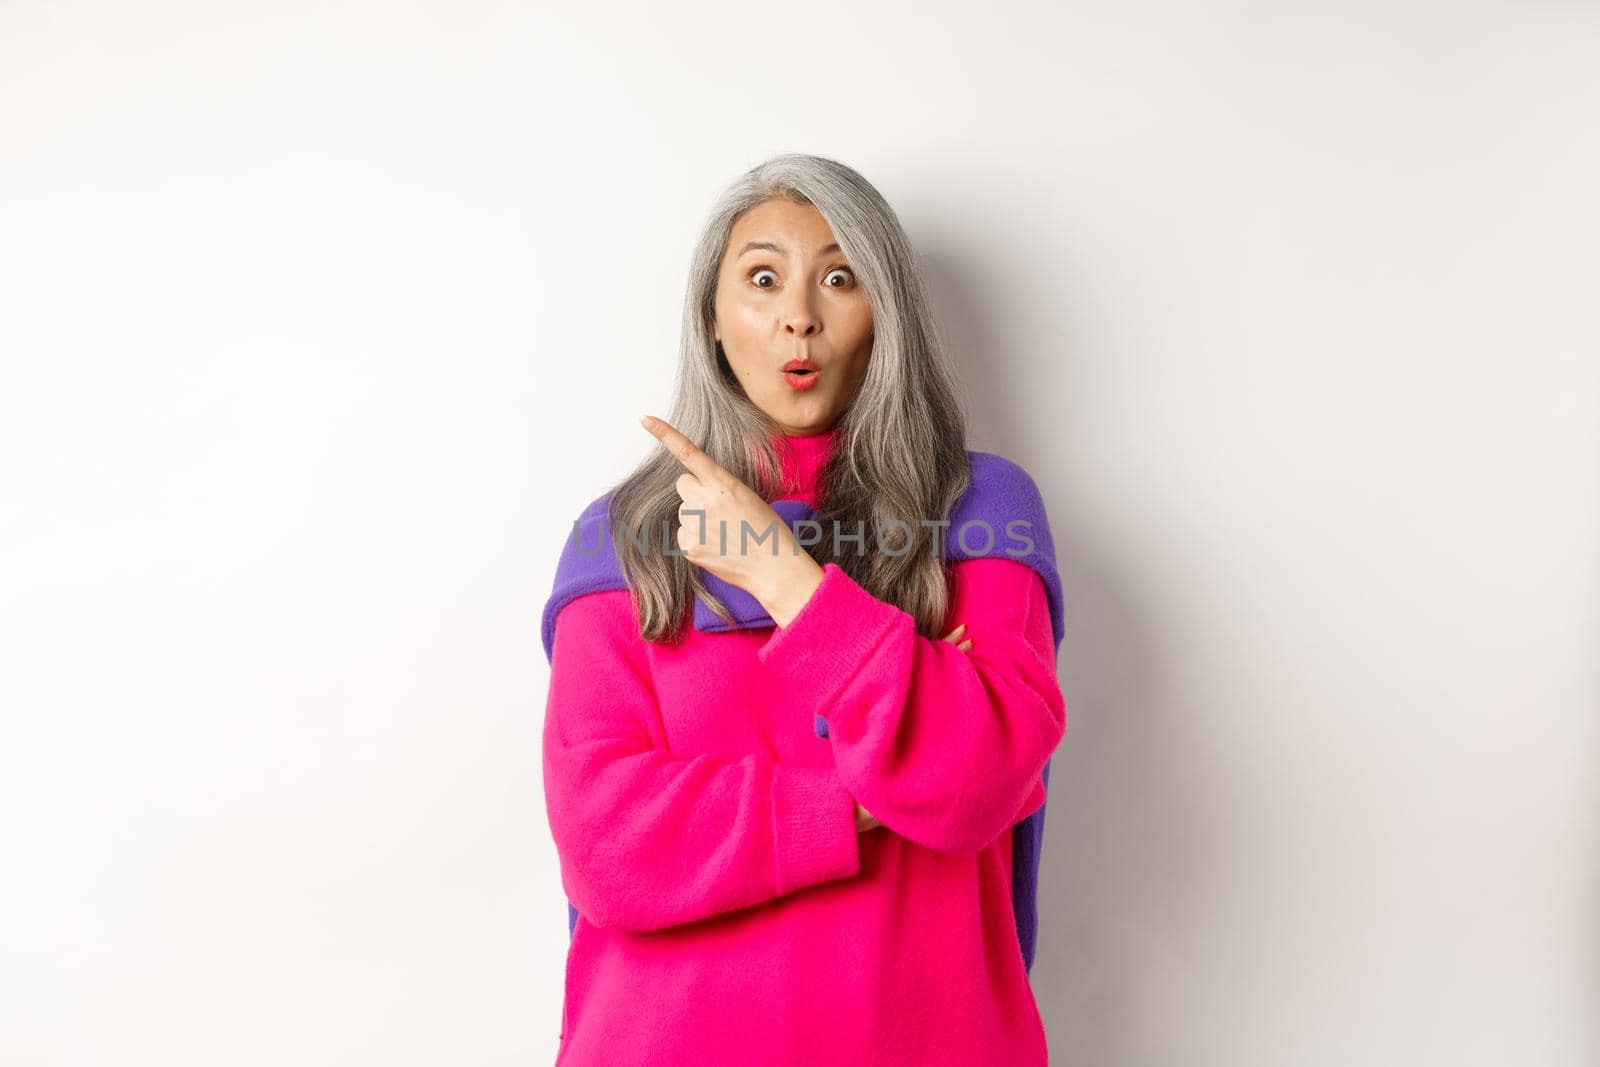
<point x="945" y="747"/>
<point x="647" y="838"/>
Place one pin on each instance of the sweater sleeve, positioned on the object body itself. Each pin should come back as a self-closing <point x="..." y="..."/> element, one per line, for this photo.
<point x="945" y="747"/>
<point x="648" y="838"/>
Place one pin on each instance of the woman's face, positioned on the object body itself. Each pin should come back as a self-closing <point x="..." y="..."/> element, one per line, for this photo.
<point x="786" y="296"/>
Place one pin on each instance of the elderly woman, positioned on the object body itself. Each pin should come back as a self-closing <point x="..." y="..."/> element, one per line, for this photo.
<point x="803" y="694"/>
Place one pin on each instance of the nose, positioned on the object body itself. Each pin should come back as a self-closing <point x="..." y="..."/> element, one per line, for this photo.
<point x="798" y="320"/>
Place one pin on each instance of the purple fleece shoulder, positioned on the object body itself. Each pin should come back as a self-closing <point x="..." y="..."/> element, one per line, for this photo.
<point x="1001" y="515"/>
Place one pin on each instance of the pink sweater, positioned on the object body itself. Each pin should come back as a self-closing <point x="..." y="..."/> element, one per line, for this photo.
<point x="729" y="912"/>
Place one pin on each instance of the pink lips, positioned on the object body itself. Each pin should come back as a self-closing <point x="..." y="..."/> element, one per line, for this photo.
<point x="801" y="374"/>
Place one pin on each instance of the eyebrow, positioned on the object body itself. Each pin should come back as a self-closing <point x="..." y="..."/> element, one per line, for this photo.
<point x="770" y="247"/>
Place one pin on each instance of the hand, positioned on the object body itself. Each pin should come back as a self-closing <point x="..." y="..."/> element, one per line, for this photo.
<point x="718" y="540"/>
<point x="951" y="637"/>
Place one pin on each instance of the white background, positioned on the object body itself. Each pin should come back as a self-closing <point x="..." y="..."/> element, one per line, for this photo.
<point x="321" y="320"/>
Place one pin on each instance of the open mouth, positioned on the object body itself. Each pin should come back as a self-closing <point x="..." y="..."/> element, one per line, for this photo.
<point x="800" y="374"/>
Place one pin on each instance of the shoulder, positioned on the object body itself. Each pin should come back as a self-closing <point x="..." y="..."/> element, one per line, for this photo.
<point x="994" y="471"/>
<point x="999" y="523"/>
<point x="587" y="549"/>
<point x="1001" y="492"/>
<point x="588" y="565"/>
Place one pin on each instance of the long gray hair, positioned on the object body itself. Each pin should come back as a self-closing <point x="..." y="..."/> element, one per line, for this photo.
<point x="899" y="458"/>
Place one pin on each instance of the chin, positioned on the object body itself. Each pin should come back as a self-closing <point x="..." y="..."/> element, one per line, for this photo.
<point x="807" y="409"/>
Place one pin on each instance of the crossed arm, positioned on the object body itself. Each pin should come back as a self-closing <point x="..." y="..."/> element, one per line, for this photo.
<point x="944" y="746"/>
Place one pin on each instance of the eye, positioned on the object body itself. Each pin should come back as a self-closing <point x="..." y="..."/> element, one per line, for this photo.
<point x="760" y="271"/>
<point x="843" y="271"/>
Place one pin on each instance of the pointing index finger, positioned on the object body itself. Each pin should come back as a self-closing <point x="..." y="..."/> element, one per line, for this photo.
<point x="689" y="454"/>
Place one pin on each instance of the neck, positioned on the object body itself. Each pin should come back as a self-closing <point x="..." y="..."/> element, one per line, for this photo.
<point x="803" y="457"/>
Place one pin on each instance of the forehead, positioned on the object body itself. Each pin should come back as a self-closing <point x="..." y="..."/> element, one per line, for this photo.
<point x="784" y="228"/>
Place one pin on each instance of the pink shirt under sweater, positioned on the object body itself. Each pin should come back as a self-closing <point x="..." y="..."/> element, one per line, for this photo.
<point x="729" y="913"/>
